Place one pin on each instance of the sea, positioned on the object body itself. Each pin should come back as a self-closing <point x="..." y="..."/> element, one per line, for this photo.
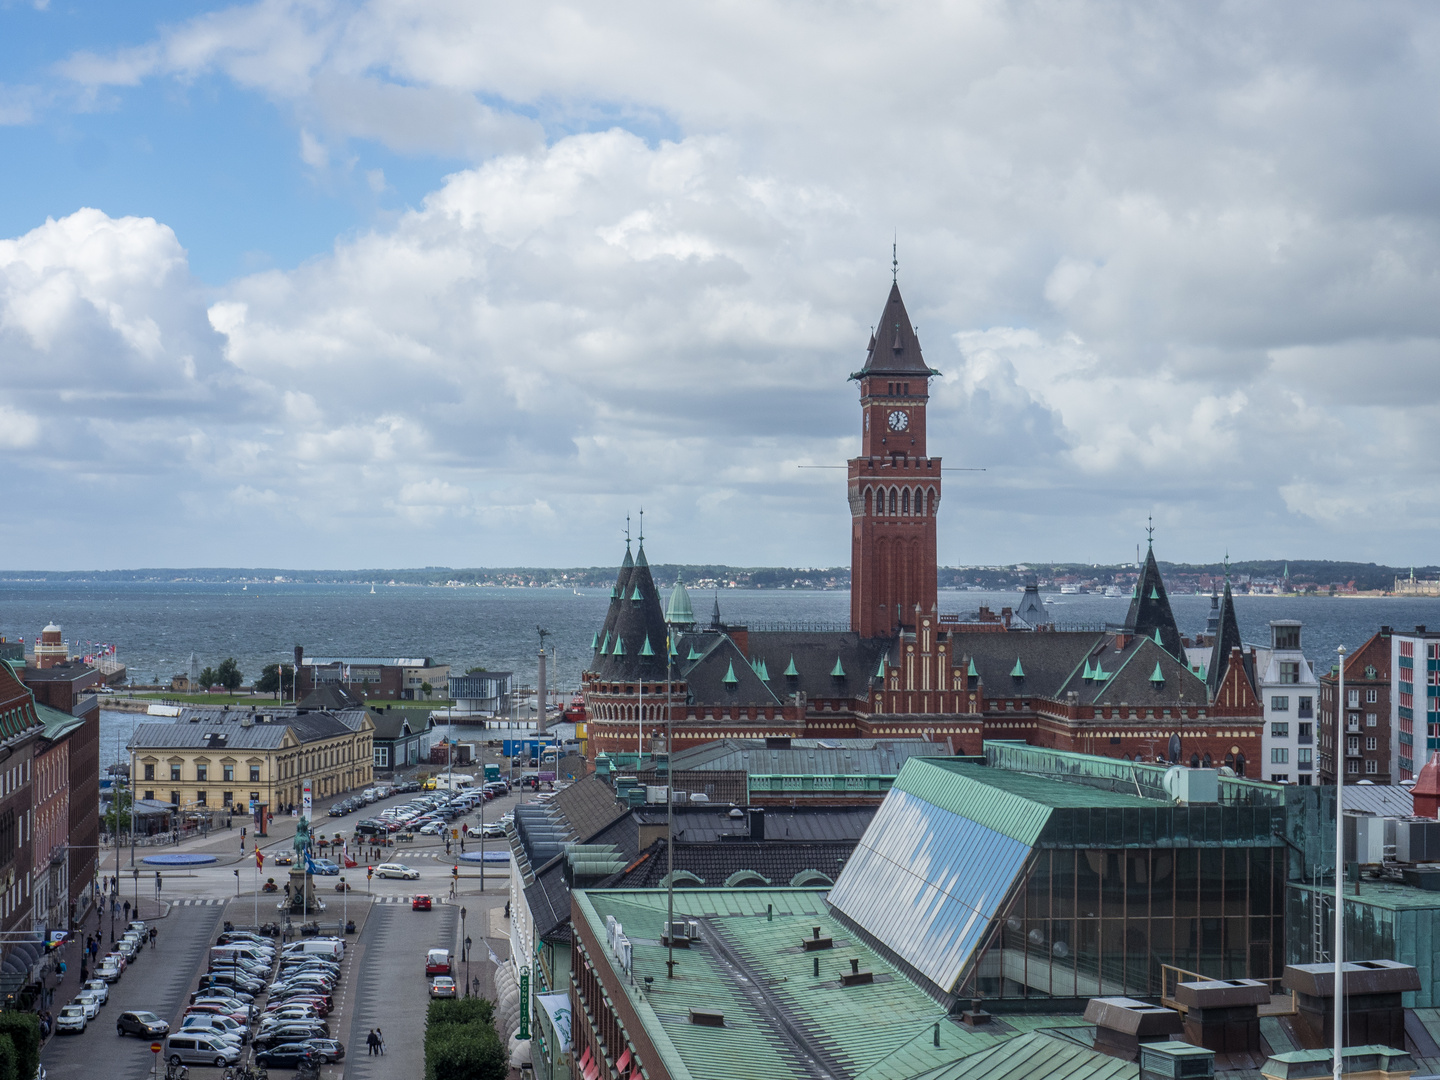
<point x="155" y="626"/>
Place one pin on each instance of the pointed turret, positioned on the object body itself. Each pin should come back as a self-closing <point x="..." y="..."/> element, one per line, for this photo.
<point x="1150" y="615"/>
<point x="678" y="611"/>
<point x="634" y="626"/>
<point x="894" y="348"/>
<point x="1227" y="637"/>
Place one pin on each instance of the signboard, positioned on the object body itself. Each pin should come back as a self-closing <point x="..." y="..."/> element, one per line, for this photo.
<point x="306" y="799"/>
<point x="557" y="1007"/>
<point x="524" y="1003"/>
<point x="155" y="1048"/>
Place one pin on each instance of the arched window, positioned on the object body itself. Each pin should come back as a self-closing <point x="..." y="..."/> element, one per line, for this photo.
<point x="892" y="500"/>
<point x="1240" y="765"/>
<point x="1194" y="761"/>
<point x="1207" y="761"/>
<point x="905" y="501"/>
<point x="867" y="502"/>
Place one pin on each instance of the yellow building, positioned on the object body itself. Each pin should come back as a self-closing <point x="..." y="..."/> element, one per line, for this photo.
<point x="212" y="757"/>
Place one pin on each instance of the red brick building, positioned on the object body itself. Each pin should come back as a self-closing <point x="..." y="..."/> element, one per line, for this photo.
<point x="1368" y="733"/>
<point x="905" y="669"/>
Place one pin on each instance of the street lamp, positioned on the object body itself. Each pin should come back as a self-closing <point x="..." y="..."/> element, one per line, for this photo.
<point x="466" y="952"/>
<point x="237" y="882"/>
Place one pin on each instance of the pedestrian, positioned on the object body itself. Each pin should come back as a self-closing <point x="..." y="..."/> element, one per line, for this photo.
<point x="380" y="1039"/>
<point x="372" y="1043"/>
<point x="127" y="911"/>
<point x="152" y="937"/>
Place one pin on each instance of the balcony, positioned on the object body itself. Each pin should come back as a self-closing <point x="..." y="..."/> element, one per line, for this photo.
<point x="1305" y="740"/>
<point x="1353" y="751"/>
<point x="1352" y="726"/>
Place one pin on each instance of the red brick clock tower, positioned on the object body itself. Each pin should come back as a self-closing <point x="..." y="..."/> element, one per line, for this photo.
<point x="894" y="487"/>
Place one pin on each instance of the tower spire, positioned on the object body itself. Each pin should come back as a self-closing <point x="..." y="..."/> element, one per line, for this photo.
<point x="895" y="259"/>
<point x="1150" y="530"/>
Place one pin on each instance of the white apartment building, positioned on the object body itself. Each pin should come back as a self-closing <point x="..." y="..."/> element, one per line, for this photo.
<point x="1289" y="689"/>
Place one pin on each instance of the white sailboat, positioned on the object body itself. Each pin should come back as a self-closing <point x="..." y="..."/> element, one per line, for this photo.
<point x="372" y="590"/>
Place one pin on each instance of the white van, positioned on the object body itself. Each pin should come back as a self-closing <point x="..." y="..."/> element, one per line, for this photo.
<point x="197" y="1048"/>
<point x="317" y="947"/>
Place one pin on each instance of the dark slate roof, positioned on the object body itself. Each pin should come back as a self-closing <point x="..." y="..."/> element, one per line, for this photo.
<point x="635" y="617"/>
<point x="1227" y="637"/>
<point x="587" y="807"/>
<point x="696" y="825"/>
<point x="1150" y="609"/>
<point x="622" y="580"/>
<point x="814" y="656"/>
<point x="720" y="659"/>
<point x="392" y="724"/>
<point x="894" y="348"/>
<point x="196" y="729"/>
<point x="331" y="696"/>
<point x="66" y="671"/>
<point x="1054" y="664"/>
<point x="777" y="862"/>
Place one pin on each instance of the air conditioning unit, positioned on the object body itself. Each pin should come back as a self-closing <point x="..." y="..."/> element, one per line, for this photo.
<point x="1417" y="840"/>
<point x="1192" y="786"/>
<point x="656" y="793"/>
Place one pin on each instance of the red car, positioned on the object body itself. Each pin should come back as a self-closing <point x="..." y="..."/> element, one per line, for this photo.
<point x="420" y="903"/>
<point x="437" y="962"/>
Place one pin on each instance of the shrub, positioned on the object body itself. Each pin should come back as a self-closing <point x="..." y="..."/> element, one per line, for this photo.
<point x="461" y="1042"/>
<point x="460" y="1011"/>
<point x="23" y="1031"/>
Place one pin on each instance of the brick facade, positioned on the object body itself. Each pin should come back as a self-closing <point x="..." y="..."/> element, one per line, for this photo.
<point x="1391" y="757"/>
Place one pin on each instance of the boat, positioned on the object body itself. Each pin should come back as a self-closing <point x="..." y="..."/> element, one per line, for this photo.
<point x="1112" y="592"/>
<point x="372" y="590"/>
<point x="1069" y="590"/>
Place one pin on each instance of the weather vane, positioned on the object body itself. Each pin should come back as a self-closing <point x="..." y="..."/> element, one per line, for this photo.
<point x="1150" y="529"/>
<point x="895" y="259"/>
<point x="627" y="530"/>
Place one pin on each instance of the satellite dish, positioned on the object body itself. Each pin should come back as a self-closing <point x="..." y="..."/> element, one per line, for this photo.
<point x="1174" y="751"/>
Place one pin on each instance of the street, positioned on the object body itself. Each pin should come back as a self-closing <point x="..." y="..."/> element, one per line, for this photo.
<point x="383" y="982"/>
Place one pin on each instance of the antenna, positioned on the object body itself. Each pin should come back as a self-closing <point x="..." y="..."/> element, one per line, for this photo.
<point x="642" y="526"/>
<point x="627" y="530"/>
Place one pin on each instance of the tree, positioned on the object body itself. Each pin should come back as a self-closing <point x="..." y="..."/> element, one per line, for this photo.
<point x="276" y="679"/>
<point x="118" y="816"/>
<point x="476" y="671"/>
<point x="426" y="689"/>
<point x="228" y="674"/>
<point x="22" y="1031"/>
<point x="208" y="679"/>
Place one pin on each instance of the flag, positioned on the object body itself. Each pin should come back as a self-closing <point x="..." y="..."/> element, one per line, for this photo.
<point x="310" y="867"/>
<point x="259" y="858"/>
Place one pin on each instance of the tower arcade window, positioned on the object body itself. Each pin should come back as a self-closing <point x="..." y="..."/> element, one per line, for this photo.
<point x="892" y="500"/>
<point x="905" y="501"/>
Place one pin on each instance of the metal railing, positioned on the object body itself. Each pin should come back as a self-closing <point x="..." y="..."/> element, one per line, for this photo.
<point x="1283" y="1003"/>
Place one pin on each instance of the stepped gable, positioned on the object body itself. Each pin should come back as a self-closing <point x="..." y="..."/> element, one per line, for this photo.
<point x="1150" y="608"/>
<point x="607" y="632"/>
<point x="1235" y="695"/>
<point x="635" y="617"/>
<point x="894" y="347"/>
<point x="1227" y="638"/>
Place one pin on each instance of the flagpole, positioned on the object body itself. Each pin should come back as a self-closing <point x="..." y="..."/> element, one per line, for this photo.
<point x="1340" y="765"/>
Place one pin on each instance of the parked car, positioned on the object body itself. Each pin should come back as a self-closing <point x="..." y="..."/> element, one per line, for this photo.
<point x="397" y="870"/>
<point x="88" y="1002"/>
<point x="328" y="1049"/>
<point x="442" y="986"/>
<point x="285" y="1056"/>
<point x="293" y="1031"/>
<point x="142" y="1023"/>
<point x="72" y="1018"/>
<point x="108" y="970"/>
<point x="421" y="902"/>
<point x="216" y="1022"/>
<point x="493" y="829"/>
<point x="100" y="988"/>
<point x="184" y="1048"/>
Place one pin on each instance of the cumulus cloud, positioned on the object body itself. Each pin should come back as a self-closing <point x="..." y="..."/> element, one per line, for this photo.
<point x="1169" y="258"/>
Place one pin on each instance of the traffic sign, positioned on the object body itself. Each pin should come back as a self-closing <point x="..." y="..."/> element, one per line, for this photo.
<point x="155" y="1048"/>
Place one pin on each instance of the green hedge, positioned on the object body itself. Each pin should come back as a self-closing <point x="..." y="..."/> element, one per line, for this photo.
<point x="461" y="1042"/>
<point x="22" y="1031"/>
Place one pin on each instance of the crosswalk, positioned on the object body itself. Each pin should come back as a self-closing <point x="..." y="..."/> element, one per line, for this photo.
<point x="437" y="900"/>
<point x="197" y="901"/>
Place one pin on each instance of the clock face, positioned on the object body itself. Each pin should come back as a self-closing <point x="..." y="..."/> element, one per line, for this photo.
<point x="899" y="421"/>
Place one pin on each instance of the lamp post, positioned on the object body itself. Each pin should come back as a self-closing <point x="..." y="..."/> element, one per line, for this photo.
<point x="467" y="965"/>
<point x="237" y="883"/>
<point x="465" y="952"/>
<point x="1340" y="766"/>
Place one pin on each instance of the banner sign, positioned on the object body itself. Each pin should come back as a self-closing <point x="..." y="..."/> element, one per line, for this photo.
<point x="557" y="1007"/>
<point x="524" y="1004"/>
<point x="306" y="801"/>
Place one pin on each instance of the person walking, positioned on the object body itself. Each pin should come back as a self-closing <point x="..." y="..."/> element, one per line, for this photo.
<point x="380" y="1040"/>
<point x="372" y="1043"/>
<point x="152" y="937"/>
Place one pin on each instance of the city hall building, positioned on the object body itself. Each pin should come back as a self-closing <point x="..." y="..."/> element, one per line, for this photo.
<point x="904" y="668"/>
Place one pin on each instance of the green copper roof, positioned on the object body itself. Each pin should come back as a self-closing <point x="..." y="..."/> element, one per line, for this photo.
<point x="612" y="592"/>
<point x="970" y="671"/>
<point x="1157" y="638"/>
<point x="762" y="670"/>
<point x="1017" y="672"/>
<point x="880" y="671"/>
<point x="678" y="610"/>
<point x="595" y="640"/>
<point x="1154" y="595"/>
<point x="730" y="679"/>
<point x="1099" y="674"/>
<point x="1089" y="673"/>
<point x="673" y="651"/>
<point x="790" y="672"/>
<point x="647" y="651"/>
<point x="636" y="594"/>
<point x="606" y="647"/>
<point x="629" y="562"/>
<point x="619" y="649"/>
<point x="838" y="671"/>
<point x="693" y="654"/>
<point x="1157" y="676"/>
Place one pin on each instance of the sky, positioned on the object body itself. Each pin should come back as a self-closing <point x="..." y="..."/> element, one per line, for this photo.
<point x="385" y="284"/>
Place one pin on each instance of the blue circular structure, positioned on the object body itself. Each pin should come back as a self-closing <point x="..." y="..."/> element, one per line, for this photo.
<point x="489" y="857"/>
<point x="179" y="859"/>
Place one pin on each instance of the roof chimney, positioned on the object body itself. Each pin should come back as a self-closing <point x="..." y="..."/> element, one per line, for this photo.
<point x="1223" y="1015"/>
<point x="1122" y="1024"/>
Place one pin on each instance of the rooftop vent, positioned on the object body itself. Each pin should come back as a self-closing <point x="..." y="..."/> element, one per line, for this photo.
<point x="816" y="942"/>
<point x="1122" y="1024"/>
<point x="1175" y="1061"/>
<point x="707" y="1017"/>
<point x="856" y="977"/>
